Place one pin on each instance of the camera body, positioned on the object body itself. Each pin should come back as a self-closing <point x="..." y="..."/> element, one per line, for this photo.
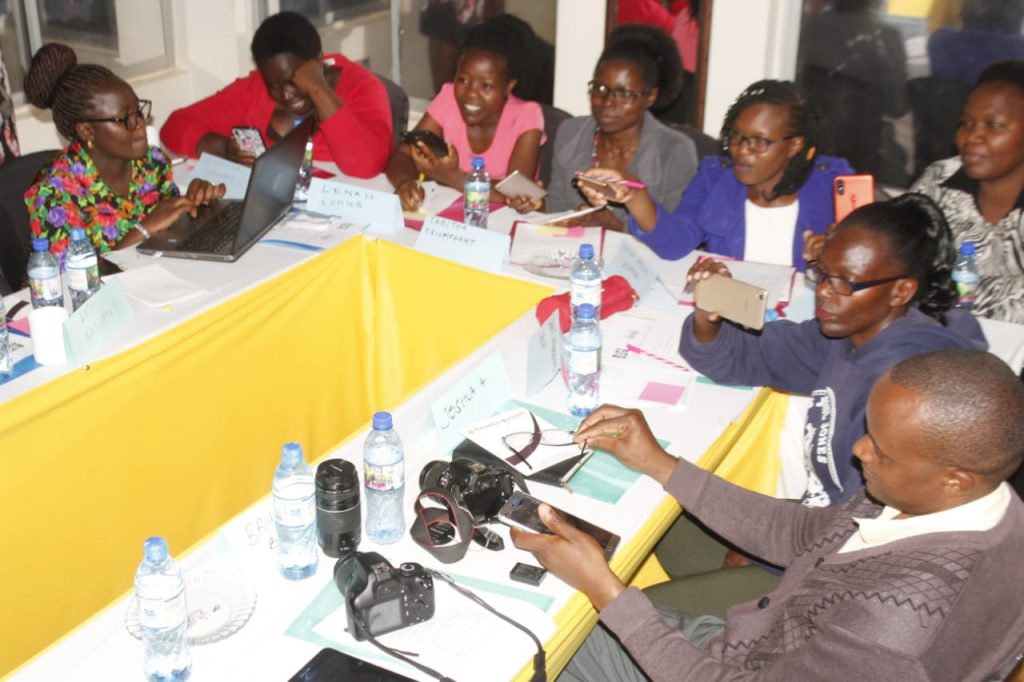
<point x="483" y="488"/>
<point x="380" y="598"/>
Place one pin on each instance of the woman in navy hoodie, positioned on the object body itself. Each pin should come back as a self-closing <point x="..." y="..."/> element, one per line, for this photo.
<point x="758" y="200"/>
<point x="883" y="293"/>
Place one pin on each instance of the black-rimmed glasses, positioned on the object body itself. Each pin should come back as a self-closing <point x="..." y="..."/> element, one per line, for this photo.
<point x="131" y="120"/>
<point x="842" y="286"/>
<point x="616" y="95"/>
<point x="758" y="145"/>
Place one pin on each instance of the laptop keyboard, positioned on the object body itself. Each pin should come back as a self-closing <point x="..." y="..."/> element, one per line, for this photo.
<point x="218" y="234"/>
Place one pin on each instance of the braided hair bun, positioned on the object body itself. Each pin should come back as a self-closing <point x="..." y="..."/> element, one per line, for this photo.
<point x="56" y="81"/>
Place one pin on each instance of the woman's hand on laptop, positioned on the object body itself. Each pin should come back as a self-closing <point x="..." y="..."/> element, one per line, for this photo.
<point x="202" y="192"/>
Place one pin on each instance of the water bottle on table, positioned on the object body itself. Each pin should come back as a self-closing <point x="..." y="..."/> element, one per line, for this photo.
<point x="163" y="614"/>
<point x="477" y="195"/>
<point x="5" y="345"/>
<point x="384" y="479"/>
<point x="44" y="276"/>
<point x="83" y="268"/>
<point x="584" y="362"/>
<point x="966" y="277"/>
<point x="295" y="515"/>
<point x="585" y="281"/>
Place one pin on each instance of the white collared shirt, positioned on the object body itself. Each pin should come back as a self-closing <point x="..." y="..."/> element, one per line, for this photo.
<point x="981" y="514"/>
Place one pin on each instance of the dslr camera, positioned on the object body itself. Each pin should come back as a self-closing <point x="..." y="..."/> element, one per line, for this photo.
<point x="483" y="488"/>
<point x="379" y="598"/>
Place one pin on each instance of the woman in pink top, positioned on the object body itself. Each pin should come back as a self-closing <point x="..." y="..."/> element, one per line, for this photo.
<point x="477" y="115"/>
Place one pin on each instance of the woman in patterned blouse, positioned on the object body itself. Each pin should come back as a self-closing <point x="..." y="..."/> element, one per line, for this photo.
<point x="108" y="180"/>
<point x="981" y="191"/>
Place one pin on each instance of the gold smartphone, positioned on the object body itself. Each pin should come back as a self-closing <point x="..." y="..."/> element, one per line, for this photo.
<point x="734" y="300"/>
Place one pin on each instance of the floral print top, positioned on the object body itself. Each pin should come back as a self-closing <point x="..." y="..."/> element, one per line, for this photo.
<point x="69" y="193"/>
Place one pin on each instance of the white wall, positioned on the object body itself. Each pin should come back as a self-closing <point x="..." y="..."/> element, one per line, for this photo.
<point x="750" y="40"/>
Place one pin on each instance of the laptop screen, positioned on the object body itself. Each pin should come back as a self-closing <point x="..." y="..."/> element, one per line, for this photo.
<point x="272" y="183"/>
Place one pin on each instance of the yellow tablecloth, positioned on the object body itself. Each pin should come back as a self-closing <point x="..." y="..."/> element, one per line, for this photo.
<point x="177" y="435"/>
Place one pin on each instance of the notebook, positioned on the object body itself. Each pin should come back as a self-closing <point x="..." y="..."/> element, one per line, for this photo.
<point x="225" y="230"/>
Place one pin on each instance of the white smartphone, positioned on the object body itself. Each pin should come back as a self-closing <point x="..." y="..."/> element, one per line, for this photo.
<point x="521" y="511"/>
<point x="517" y="184"/>
<point x="732" y="299"/>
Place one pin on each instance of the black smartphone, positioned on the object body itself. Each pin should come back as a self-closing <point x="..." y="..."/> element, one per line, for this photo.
<point x="429" y="138"/>
<point x="521" y="511"/>
<point x="330" y="665"/>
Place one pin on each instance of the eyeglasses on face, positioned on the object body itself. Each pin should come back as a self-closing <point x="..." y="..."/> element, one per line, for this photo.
<point x="841" y="286"/>
<point x="616" y="95"/>
<point x="131" y="120"/>
<point x="758" y="145"/>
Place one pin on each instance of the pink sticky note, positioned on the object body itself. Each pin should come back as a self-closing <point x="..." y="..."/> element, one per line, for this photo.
<point x="574" y="232"/>
<point x="20" y="325"/>
<point x="668" y="394"/>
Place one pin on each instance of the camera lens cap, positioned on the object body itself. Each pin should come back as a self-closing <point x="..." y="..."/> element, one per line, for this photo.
<point x="336" y="474"/>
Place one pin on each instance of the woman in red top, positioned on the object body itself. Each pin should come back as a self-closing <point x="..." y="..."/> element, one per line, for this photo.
<point x="293" y="79"/>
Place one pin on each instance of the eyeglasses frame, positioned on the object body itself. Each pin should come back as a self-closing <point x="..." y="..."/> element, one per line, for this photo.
<point x="143" y="112"/>
<point x="812" y="266"/>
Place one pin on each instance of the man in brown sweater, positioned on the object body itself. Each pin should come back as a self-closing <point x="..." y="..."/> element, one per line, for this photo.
<point x="915" y="578"/>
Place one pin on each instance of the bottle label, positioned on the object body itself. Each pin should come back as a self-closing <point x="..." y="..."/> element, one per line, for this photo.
<point x="384" y="478"/>
<point x="966" y="293"/>
<point x="161" y="614"/>
<point x="584" y="361"/>
<point x="586" y="293"/>
<point x="79" y="277"/>
<point x="46" y="289"/>
<point x="298" y="513"/>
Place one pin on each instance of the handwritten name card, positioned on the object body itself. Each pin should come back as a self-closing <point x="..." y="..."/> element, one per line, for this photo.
<point x="631" y="264"/>
<point x="543" y="355"/>
<point x="381" y="209"/>
<point x="95" y="321"/>
<point x="477" y="396"/>
<point x="463" y="244"/>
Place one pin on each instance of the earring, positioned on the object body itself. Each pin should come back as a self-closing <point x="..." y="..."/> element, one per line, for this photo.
<point x="88" y="144"/>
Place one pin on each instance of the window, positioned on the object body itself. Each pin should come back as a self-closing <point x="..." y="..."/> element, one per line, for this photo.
<point x="130" y="37"/>
<point x="326" y="12"/>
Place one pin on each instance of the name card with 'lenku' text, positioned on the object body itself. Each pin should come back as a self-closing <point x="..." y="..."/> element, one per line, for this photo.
<point x="95" y="321"/>
<point x="357" y="204"/>
<point x="477" y="396"/>
<point x="463" y="244"/>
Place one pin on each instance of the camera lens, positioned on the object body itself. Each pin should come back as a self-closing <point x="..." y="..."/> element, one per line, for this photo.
<point x="338" y="518"/>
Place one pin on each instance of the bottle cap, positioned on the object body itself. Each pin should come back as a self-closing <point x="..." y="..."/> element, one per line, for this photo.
<point x="478" y="162"/>
<point x="291" y="454"/>
<point x="381" y="421"/>
<point x="77" y="234"/>
<point x="967" y="248"/>
<point x="41" y="244"/>
<point x="155" y="549"/>
<point x="585" y="311"/>
<point x="586" y="251"/>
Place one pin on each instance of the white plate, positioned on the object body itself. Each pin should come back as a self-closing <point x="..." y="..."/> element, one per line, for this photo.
<point x="557" y="263"/>
<point x="219" y="604"/>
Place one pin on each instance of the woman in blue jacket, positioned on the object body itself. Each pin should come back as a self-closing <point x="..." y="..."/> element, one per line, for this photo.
<point x="759" y="200"/>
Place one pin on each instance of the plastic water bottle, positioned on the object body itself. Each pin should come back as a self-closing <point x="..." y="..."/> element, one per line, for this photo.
<point x="5" y="345"/>
<point x="306" y="170"/>
<point x="584" y="362"/>
<point x="295" y="515"/>
<point x="44" y="276"/>
<point x="384" y="478"/>
<point x="163" y="614"/>
<point x="83" y="268"/>
<point x="585" y="281"/>
<point x="966" y="277"/>
<point x="477" y="195"/>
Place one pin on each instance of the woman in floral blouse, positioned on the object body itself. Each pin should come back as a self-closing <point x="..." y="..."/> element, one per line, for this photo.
<point x="108" y="180"/>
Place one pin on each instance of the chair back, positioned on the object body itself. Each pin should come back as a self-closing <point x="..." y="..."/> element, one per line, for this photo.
<point x="705" y="144"/>
<point x="553" y="117"/>
<point x="399" y="107"/>
<point x="16" y="176"/>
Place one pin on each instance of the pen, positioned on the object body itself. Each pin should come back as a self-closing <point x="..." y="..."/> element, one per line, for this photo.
<point x="632" y="184"/>
<point x="420" y="179"/>
<point x="587" y="454"/>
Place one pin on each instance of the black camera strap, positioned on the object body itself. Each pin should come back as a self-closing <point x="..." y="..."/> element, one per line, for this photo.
<point x="540" y="673"/>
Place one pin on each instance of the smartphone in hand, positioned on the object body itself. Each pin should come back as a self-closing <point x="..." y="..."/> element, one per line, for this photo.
<point x="249" y="139"/>
<point x="517" y="184"/>
<point x="732" y="299"/>
<point x="522" y="511"/>
<point x="851" y="192"/>
<point x="602" y="186"/>
<point x="433" y="142"/>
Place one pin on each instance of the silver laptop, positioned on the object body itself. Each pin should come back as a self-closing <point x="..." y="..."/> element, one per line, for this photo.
<point x="226" y="229"/>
